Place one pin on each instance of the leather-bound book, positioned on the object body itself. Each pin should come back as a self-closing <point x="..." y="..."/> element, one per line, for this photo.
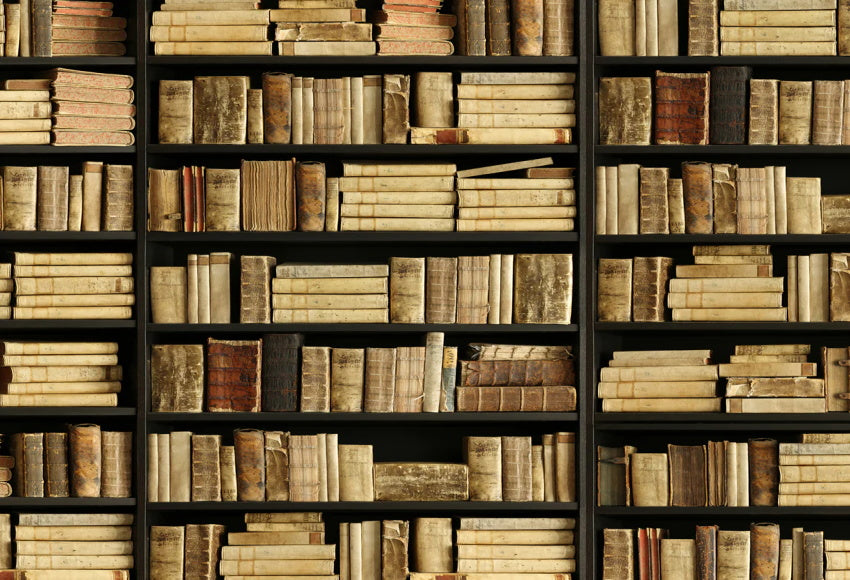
<point x="222" y="199"/>
<point x="118" y="198"/>
<point x="85" y="452"/>
<point x="117" y="467"/>
<point x="617" y="554"/>
<point x="255" y="289"/>
<point x="483" y="455"/>
<point x="687" y="475"/>
<point x="395" y="537"/>
<point x="698" y="194"/>
<point x="527" y="16"/>
<point x="764" y="551"/>
<point x="517" y="372"/>
<point x="310" y="196"/>
<point x="543" y="288"/>
<point x="19" y="198"/>
<point x="175" y="111"/>
<point x="220" y="105"/>
<point x="516" y="469"/>
<point x="281" y="366"/>
<point x="471" y="27"/>
<point x="653" y="197"/>
<point x="168" y="295"/>
<point x="167" y="552"/>
<point x="764" y="471"/>
<point x="678" y="559"/>
<point x="681" y="108"/>
<point x="625" y="110"/>
<point x="813" y="555"/>
<point x="643" y="554"/>
<point x="614" y="290"/>
<point x="397" y="107"/>
<point x="703" y="28"/>
<point x="649" y="288"/>
<point x="268" y="196"/>
<point x="795" y="112"/>
<point x="227" y="461"/>
<point x="206" y="467"/>
<point x="164" y="200"/>
<point x="828" y="113"/>
<point x="52" y="197"/>
<point x="616" y="28"/>
<point x="611" y="472"/>
<point x="277" y="107"/>
<point x="516" y="399"/>
<point x="177" y="378"/>
<point x="56" y="465"/>
<point x="498" y="33"/>
<point x="250" y="464"/>
<point x="203" y="542"/>
<point x="728" y="104"/>
<point x="255" y="116"/>
<point x="233" y="375"/>
<point x="379" y="387"/>
<point x="401" y="481"/>
<point x="558" y="27"/>
<point x="28" y="475"/>
<point x="724" y="186"/>
<point x="764" y="112"/>
<point x="706" y="552"/>
<point x="407" y="290"/>
<point x="315" y="379"/>
<point x="440" y="290"/>
<point x="277" y="465"/>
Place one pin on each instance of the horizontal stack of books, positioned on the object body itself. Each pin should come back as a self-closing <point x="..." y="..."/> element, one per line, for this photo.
<point x="814" y="471"/>
<point x="837" y="554"/>
<point x="388" y="197"/>
<point x="60" y="374"/>
<point x="196" y="28"/>
<point x="92" y="108"/>
<point x="190" y="551"/>
<point x="411" y="29"/>
<point x="24" y="116"/>
<point x="83" y="285"/>
<point x="319" y="29"/>
<point x="778" y="28"/>
<point x="735" y="273"/>
<point x="78" y="28"/>
<point x="660" y="381"/>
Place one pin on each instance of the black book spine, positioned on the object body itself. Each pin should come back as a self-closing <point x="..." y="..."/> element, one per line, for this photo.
<point x="728" y="105"/>
<point x="280" y="374"/>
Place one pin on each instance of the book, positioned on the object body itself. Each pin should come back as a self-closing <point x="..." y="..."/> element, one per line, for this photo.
<point x="681" y="108"/>
<point x="625" y="106"/>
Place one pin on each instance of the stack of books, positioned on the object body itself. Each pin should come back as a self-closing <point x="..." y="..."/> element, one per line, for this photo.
<point x="74" y="545"/>
<point x="78" y="28"/>
<point x="660" y="381"/>
<point x="728" y="283"/>
<point x="837" y="554"/>
<point x="74" y="286"/>
<point x="415" y="32"/>
<point x="279" y="544"/>
<point x="57" y="374"/>
<point x="324" y="28"/>
<point x="777" y="28"/>
<point x="389" y="197"/>
<point x="814" y="472"/>
<point x="772" y="379"/>
<point x="24" y="115"/>
<point x="208" y="288"/>
<point x="6" y="287"/>
<point x="517" y="378"/>
<point x="196" y="28"/>
<point x="809" y="297"/>
<point x="92" y="108"/>
<point x="190" y="551"/>
<point x="414" y="27"/>
<point x="374" y="549"/>
<point x="330" y="293"/>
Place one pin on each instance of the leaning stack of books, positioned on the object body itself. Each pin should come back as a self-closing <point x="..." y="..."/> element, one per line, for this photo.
<point x="414" y="27"/>
<point x="814" y="472"/>
<point x="92" y="108"/>
<point x="56" y="374"/>
<point x="80" y="28"/>
<point x="778" y="28"/>
<point x="772" y="379"/>
<point x="660" y="381"/>
<point x="311" y="28"/>
<point x="388" y="197"/>
<point x="24" y="115"/>
<point x="74" y="286"/>
<point x="222" y="28"/>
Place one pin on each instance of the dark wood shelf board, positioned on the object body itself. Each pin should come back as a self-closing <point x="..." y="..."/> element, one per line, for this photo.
<point x="362" y="237"/>
<point x="456" y="507"/>
<point x="65" y="502"/>
<point x="781" y="327"/>
<point x="376" y="61"/>
<point x="67" y="411"/>
<point x="63" y="150"/>
<point x="360" y="151"/>
<point x="775" y="239"/>
<point x="365" y="328"/>
<point x="65" y="61"/>
<point x="66" y="236"/>
<point x="12" y="325"/>
<point x="369" y="418"/>
<point x="719" y="421"/>
<point x="737" y="150"/>
<point x="721" y="511"/>
<point x="703" y="61"/>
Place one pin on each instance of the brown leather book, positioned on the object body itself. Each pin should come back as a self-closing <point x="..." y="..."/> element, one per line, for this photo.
<point x="255" y="286"/>
<point x="614" y="290"/>
<point x="233" y="375"/>
<point x="516" y="399"/>
<point x="698" y="194"/>
<point x="310" y="196"/>
<point x="483" y="373"/>
<point x="277" y="465"/>
<point x="681" y="108"/>
<point x="706" y="544"/>
<point x="440" y="290"/>
<point x="654" y="200"/>
<point x="277" y="107"/>
<point x="498" y="19"/>
<point x="764" y="471"/>
<point x="280" y="371"/>
<point x="402" y="481"/>
<point x="649" y="288"/>
<point x="220" y="105"/>
<point x="516" y="468"/>
<point x="117" y="468"/>
<point x="85" y="452"/>
<point x="396" y="107"/>
<point x="813" y="555"/>
<point x="558" y="27"/>
<point x="177" y="378"/>
<point x="643" y="554"/>
<point x="379" y="388"/>
<point x="250" y="464"/>
<point x="28" y="451"/>
<point x="52" y="202"/>
<point x="764" y="551"/>
<point x="395" y="537"/>
<point x="471" y="27"/>
<point x="543" y="288"/>
<point x="206" y="467"/>
<point x="618" y="554"/>
<point x="202" y="550"/>
<point x="527" y="16"/>
<point x="724" y="186"/>
<point x="118" y="193"/>
<point x="687" y="475"/>
<point x="625" y="110"/>
<point x="56" y="464"/>
<point x="268" y="196"/>
<point x="315" y="379"/>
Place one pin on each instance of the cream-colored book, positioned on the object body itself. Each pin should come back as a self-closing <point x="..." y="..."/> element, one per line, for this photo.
<point x="516" y="120"/>
<point x="819" y="292"/>
<point x="407" y="290"/>
<point x="517" y="567"/>
<point x="356" y="481"/>
<point x="73" y="313"/>
<point x="771" y="369"/>
<point x="514" y="106"/>
<point x="60" y="400"/>
<point x="208" y="33"/>
<point x="660" y="373"/>
<point x="780" y="191"/>
<point x="483" y="455"/>
<point x="601" y="201"/>
<point x="725" y="300"/>
<point x="650" y="479"/>
<point x="656" y="390"/>
<point x="783" y="18"/>
<point x="326" y="48"/>
<point x="282" y="552"/>
<point x="208" y="18"/>
<point x="355" y="551"/>
<point x="347" y="376"/>
<point x="515" y="198"/>
<point x="804" y="312"/>
<point x="330" y="301"/>
<point x="397" y="183"/>
<point x="512" y="213"/>
<point x="774" y="387"/>
<point x="375" y="169"/>
<point x="804" y="206"/>
<point x="212" y="48"/>
<point x="513" y="537"/>
<point x="400" y="197"/>
<point x="678" y="559"/>
<point x="612" y="200"/>
<point x="516" y="225"/>
<point x="730" y="314"/>
<point x="330" y="285"/>
<point x="628" y="189"/>
<point x="800" y="48"/>
<point x="74" y="533"/>
<point x="490" y="136"/>
<point x="733" y="554"/>
<point x="396" y="224"/>
<point x="777" y="405"/>
<point x="371" y="550"/>
<point x="696" y="285"/>
<point x="669" y="405"/>
<point x="338" y="316"/>
<point x="76" y="300"/>
<point x="777" y="34"/>
<point x="397" y="210"/>
<point x="517" y="524"/>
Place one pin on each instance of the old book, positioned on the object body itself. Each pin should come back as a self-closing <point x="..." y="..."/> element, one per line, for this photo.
<point x="117" y="463"/>
<point x="409" y="385"/>
<point x="678" y="558"/>
<point x="433" y="376"/>
<point x="407" y="290"/>
<point x="616" y="28"/>
<point x="395" y="536"/>
<point x="795" y="112"/>
<point x="654" y="210"/>
<point x="516" y="399"/>
<point x="396" y="115"/>
<point x="277" y="460"/>
<point x="19" y="198"/>
<point x="813" y="554"/>
<point x="224" y="102"/>
<point x="52" y="198"/>
<point x="775" y="387"/>
<point x="681" y="108"/>
<point x="472" y="289"/>
<point x="255" y="292"/>
<point x="628" y="188"/>
<point x="835" y="211"/>
<point x="527" y="34"/>
<point x="227" y="460"/>
<point x="280" y="371"/>
<point x="425" y="481"/>
<point x="614" y="290"/>
<point x="168" y="295"/>
<point x="315" y="379"/>
<point x="206" y="467"/>
<point x="828" y="112"/>
<point x="489" y="136"/>
<point x="839" y="281"/>
<point x="167" y="551"/>
<point x="617" y="550"/>
<point x="263" y="206"/>
<point x="434" y="106"/>
<point x="752" y="201"/>
<point x="203" y="541"/>
<point x="733" y="554"/>
<point x="517" y="372"/>
<point x="175" y="111"/>
<point x="163" y="455"/>
<point x="440" y="290"/>
<point x="516" y="469"/>
<point x="164" y="200"/>
<point x="498" y="29"/>
<point x="250" y="464"/>
<point x="233" y="375"/>
<point x="277" y="107"/>
<point x="764" y="471"/>
<point x="706" y="552"/>
<point x="724" y="185"/>
<point x="180" y="466"/>
<point x="75" y="203"/>
<point x="347" y="378"/>
<point x="649" y="477"/>
<point x="471" y="27"/>
<point x="332" y="205"/>
<point x="649" y="286"/>
<point x="543" y="288"/>
<point x="483" y="455"/>
<point x="432" y="545"/>
<point x="380" y="380"/>
<point x="804" y="209"/>
<point x="764" y="112"/>
<point x="777" y="405"/>
<point x="55" y="465"/>
<point x="222" y="199"/>
<point x="85" y="465"/>
<point x="625" y="110"/>
<point x="687" y="475"/>
<point x="770" y="48"/>
<point x="356" y="481"/>
<point x="310" y="196"/>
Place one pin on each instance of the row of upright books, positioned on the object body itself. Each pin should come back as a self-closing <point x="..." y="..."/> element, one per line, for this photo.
<point x="279" y="374"/>
<point x="719" y="198"/>
<point x="727" y="28"/>
<point x="682" y="109"/>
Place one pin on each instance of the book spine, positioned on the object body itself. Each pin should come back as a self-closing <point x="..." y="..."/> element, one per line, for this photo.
<point x="277" y="465"/>
<point x="310" y="182"/>
<point x="56" y="465"/>
<point x="764" y="471"/>
<point x="396" y="109"/>
<point x="250" y="464"/>
<point x="255" y="116"/>
<point x="728" y="104"/>
<point x="280" y="371"/>
<point x="277" y="107"/>
<point x="698" y="195"/>
<point x="498" y="31"/>
<point x="117" y="455"/>
<point x="558" y="27"/>
<point x="85" y="450"/>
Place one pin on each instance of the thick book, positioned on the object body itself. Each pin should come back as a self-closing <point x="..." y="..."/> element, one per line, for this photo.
<point x="625" y="110"/>
<point x="233" y="375"/>
<point x="681" y="108"/>
<point x="728" y="104"/>
<point x="281" y="363"/>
